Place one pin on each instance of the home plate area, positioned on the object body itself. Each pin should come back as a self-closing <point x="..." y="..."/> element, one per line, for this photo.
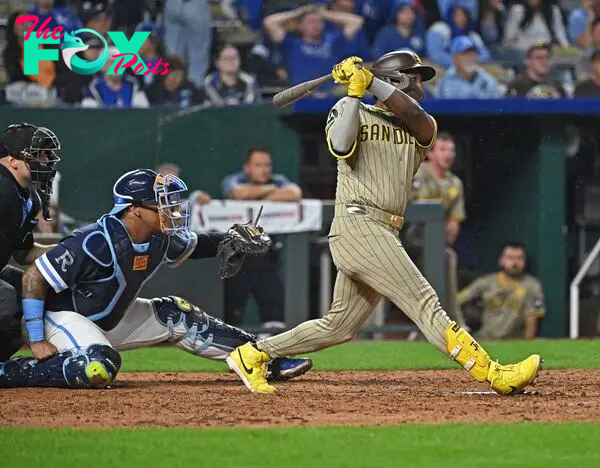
<point x="318" y="398"/>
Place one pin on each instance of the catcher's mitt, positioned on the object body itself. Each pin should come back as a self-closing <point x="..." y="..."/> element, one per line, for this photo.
<point x="241" y="240"/>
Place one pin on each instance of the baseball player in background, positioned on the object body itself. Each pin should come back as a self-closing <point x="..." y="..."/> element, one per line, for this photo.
<point x="513" y="301"/>
<point x="80" y="304"/>
<point x="379" y="149"/>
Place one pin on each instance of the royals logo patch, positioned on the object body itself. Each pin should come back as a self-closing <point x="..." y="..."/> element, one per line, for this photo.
<point x="140" y="263"/>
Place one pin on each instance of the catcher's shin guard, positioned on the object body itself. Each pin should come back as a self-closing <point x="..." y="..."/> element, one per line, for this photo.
<point x="93" y="367"/>
<point x="465" y="350"/>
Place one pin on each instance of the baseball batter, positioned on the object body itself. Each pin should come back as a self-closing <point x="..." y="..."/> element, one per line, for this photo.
<point x="80" y="304"/>
<point x="379" y="149"/>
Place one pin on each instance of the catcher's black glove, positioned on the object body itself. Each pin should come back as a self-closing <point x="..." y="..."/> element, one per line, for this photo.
<point x="241" y="240"/>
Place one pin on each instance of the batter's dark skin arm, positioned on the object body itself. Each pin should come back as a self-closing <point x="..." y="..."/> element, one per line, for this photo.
<point x="35" y="287"/>
<point x="420" y="124"/>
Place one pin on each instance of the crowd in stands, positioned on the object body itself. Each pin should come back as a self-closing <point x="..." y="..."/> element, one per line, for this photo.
<point x="230" y="52"/>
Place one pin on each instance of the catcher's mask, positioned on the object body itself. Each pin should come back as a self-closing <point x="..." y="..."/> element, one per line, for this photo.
<point x="38" y="148"/>
<point x="173" y="211"/>
<point x="162" y="193"/>
<point x="390" y="66"/>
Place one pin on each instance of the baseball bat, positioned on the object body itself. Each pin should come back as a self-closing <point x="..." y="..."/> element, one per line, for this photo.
<point x="295" y="93"/>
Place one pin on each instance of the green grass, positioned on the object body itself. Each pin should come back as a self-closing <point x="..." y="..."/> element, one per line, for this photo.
<point x="502" y="445"/>
<point x="557" y="354"/>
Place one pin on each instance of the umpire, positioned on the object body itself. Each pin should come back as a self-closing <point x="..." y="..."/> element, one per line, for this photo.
<point x="28" y="158"/>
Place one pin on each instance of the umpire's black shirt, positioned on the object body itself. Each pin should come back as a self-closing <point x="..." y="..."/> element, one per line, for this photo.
<point x="18" y="210"/>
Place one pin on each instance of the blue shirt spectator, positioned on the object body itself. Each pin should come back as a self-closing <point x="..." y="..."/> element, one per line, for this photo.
<point x="580" y="23"/>
<point x="44" y="9"/>
<point x="358" y="46"/>
<point x="313" y="52"/>
<point x="440" y="35"/>
<point x="405" y="33"/>
<point x="116" y="90"/>
<point x="472" y="6"/>
<point x="375" y="13"/>
<point x="465" y="79"/>
<point x="257" y="181"/>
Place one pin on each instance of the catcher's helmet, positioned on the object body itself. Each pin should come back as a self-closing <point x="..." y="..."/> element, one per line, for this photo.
<point x="401" y="61"/>
<point x="162" y="193"/>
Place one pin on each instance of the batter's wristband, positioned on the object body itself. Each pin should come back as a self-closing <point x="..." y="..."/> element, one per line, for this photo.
<point x="381" y="89"/>
<point x="33" y="313"/>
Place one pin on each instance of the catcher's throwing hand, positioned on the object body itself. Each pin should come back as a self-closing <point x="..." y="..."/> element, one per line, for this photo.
<point x="352" y="73"/>
<point x="241" y="240"/>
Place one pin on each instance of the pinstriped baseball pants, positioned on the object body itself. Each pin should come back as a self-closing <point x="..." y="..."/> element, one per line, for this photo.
<point x="372" y="264"/>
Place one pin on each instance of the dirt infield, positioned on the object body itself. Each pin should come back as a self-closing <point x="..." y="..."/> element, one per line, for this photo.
<point x="349" y="398"/>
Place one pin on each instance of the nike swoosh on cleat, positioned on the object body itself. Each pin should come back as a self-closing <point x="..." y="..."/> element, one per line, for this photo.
<point x="248" y="371"/>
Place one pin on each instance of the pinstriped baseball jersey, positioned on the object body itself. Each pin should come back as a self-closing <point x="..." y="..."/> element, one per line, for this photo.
<point x="379" y="169"/>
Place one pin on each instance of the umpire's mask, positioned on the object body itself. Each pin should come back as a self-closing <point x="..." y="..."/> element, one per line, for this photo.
<point x="38" y="148"/>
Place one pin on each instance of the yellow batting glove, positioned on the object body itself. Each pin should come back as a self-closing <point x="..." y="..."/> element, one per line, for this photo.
<point x="357" y="84"/>
<point x="343" y="71"/>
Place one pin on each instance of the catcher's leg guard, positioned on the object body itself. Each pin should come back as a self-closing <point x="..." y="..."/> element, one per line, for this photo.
<point x="465" y="350"/>
<point x="93" y="367"/>
<point x="198" y="333"/>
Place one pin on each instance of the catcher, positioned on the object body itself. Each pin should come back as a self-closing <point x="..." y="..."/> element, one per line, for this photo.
<point x="80" y="302"/>
<point x="379" y="149"/>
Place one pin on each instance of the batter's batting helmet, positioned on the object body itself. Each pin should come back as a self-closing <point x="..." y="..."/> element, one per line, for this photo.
<point x="401" y="61"/>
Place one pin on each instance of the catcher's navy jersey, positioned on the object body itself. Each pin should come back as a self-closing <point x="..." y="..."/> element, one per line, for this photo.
<point x="98" y="271"/>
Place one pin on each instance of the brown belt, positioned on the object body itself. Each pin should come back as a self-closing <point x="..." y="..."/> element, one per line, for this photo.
<point x="396" y="221"/>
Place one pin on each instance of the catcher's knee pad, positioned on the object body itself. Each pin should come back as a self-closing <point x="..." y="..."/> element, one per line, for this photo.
<point x="465" y="350"/>
<point x="94" y="367"/>
<point x="195" y="331"/>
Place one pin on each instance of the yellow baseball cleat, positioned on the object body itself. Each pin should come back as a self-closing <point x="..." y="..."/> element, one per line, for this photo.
<point x="513" y="378"/>
<point x="251" y="365"/>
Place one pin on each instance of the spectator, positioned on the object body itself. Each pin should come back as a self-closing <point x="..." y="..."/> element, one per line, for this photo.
<point x="229" y="85"/>
<point x="358" y="46"/>
<point x="532" y="22"/>
<point x="492" y="17"/>
<point x="536" y="82"/>
<point x="434" y="180"/>
<point x="404" y="33"/>
<point x="440" y="36"/>
<point x="265" y="60"/>
<point x="59" y="16"/>
<point x="590" y="88"/>
<point x="314" y="52"/>
<point x="375" y="14"/>
<point x="465" y="79"/>
<point x="258" y="275"/>
<point x="581" y="22"/>
<point x="257" y="182"/>
<point x="173" y="89"/>
<point x="188" y="33"/>
<point x="94" y="15"/>
<point x="197" y="196"/>
<point x="152" y="51"/>
<point x="584" y="65"/>
<point x="513" y="301"/>
<point x="116" y="90"/>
